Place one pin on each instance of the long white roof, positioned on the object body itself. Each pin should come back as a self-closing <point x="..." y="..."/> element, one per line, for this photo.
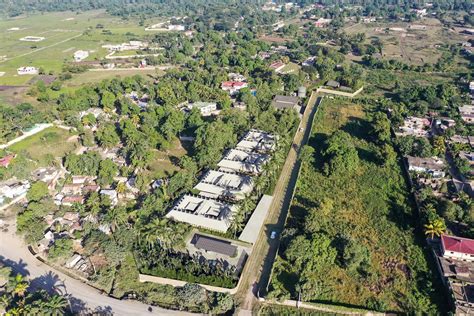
<point x="218" y="183"/>
<point x="203" y="212"/>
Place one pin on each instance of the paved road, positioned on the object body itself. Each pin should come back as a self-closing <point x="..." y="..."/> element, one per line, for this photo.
<point x="83" y="298"/>
<point x="258" y="268"/>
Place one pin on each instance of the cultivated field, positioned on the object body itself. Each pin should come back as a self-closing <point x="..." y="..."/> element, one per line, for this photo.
<point x="64" y="33"/>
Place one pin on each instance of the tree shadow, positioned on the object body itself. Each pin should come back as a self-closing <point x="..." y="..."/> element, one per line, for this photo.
<point x="103" y="310"/>
<point x="77" y="305"/>
<point x="357" y="127"/>
<point x="17" y="267"/>
<point x="367" y="155"/>
<point x="50" y="282"/>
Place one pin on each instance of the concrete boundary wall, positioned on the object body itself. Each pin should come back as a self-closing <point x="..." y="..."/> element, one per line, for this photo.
<point x="339" y="93"/>
<point x="179" y="283"/>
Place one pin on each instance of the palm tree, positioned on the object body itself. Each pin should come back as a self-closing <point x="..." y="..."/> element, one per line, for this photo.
<point x="121" y="188"/>
<point x="116" y="216"/>
<point x="436" y="227"/>
<point x="20" y="289"/>
<point x="56" y="305"/>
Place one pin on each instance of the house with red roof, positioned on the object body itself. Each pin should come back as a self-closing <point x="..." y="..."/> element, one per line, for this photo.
<point x="277" y="66"/>
<point x="457" y="248"/>
<point x="233" y="86"/>
<point x="5" y="161"/>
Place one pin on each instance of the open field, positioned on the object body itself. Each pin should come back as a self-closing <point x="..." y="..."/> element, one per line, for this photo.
<point x="64" y="33"/>
<point x="363" y="213"/>
<point x="291" y="68"/>
<point x="97" y="76"/>
<point x="52" y="142"/>
<point x="163" y="163"/>
<point x="412" y="46"/>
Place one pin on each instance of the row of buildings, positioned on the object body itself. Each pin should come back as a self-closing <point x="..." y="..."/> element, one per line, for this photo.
<point x="214" y="207"/>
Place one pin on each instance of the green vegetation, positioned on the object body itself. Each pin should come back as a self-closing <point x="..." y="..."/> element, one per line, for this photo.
<point x="350" y="237"/>
<point x="17" y="299"/>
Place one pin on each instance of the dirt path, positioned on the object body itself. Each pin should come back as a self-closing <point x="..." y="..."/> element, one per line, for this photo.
<point x="258" y="268"/>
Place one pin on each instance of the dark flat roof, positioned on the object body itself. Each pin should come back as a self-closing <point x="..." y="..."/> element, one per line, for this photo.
<point x="214" y="244"/>
<point x="285" y="102"/>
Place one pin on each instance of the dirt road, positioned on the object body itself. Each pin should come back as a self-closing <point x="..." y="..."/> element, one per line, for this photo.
<point x="258" y="268"/>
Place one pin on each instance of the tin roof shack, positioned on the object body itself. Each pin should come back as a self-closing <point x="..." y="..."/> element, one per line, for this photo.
<point x="433" y="166"/>
<point x="286" y="102"/>
<point x="414" y="126"/>
<point x="467" y="113"/>
<point x="13" y="188"/>
<point x="48" y="175"/>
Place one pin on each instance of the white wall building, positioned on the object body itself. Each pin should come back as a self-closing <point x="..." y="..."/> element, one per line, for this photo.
<point x="80" y="55"/>
<point x="28" y="70"/>
<point x="206" y="108"/>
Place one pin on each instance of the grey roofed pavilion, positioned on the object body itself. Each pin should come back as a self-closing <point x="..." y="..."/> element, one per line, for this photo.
<point x="214" y="244"/>
<point x="285" y="102"/>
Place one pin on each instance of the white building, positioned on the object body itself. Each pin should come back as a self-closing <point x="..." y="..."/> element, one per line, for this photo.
<point x="28" y="70"/>
<point x="258" y="141"/>
<point x="414" y="126"/>
<point x="206" y="108"/>
<point x="433" y="166"/>
<point x="112" y="194"/>
<point x="13" y="188"/>
<point x="218" y="184"/>
<point x="176" y="27"/>
<point x="203" y="212"/>
<point x="233" y="87"/>
<point x="467" y="113"/>
<point x="242" y="162"/>
<point x="80" y="55"/>
<point x="457" y="248"/>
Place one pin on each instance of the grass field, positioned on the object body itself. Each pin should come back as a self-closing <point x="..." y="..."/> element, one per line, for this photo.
<point x="291" y="68"/>
<point x="64" y="34"/>
<point x="96" y="76"/>
<point x="51" y="142"/>
<point x="365" y="214"/>
<point x="163" y="163"/>
<point x="410" y="46"/>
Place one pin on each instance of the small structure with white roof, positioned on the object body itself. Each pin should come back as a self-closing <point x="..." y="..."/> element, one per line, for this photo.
<point x="203" y="212"/>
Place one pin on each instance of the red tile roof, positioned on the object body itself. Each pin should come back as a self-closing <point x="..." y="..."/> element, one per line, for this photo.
<point x="5" y="161"/>
<point x="277" y="65"/>
<point x="73" y="199"/>
<point x="458" y="244"/>
<point x="233" y="84"/>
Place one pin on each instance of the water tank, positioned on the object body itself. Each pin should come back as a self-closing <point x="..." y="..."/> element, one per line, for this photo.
<point x="302" y="92"/>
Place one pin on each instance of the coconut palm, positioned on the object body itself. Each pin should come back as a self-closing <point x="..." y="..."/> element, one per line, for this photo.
<point x="121" y="188"/>
<point x="436" y="227"/>
<point x="56" y="305"/>
<point x="116" y="216"/>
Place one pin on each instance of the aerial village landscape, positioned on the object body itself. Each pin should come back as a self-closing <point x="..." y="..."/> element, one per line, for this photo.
<point x="217" y="157"/>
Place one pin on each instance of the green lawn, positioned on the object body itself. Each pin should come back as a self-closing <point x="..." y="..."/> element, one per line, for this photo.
<point x="97" y="76"/>
<point x="52" y="141"/>
<point x="163" y="163"/>
<point x="55" y="49"/>
<point x="355" y="229"/>
<point x="291" y="68"/>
